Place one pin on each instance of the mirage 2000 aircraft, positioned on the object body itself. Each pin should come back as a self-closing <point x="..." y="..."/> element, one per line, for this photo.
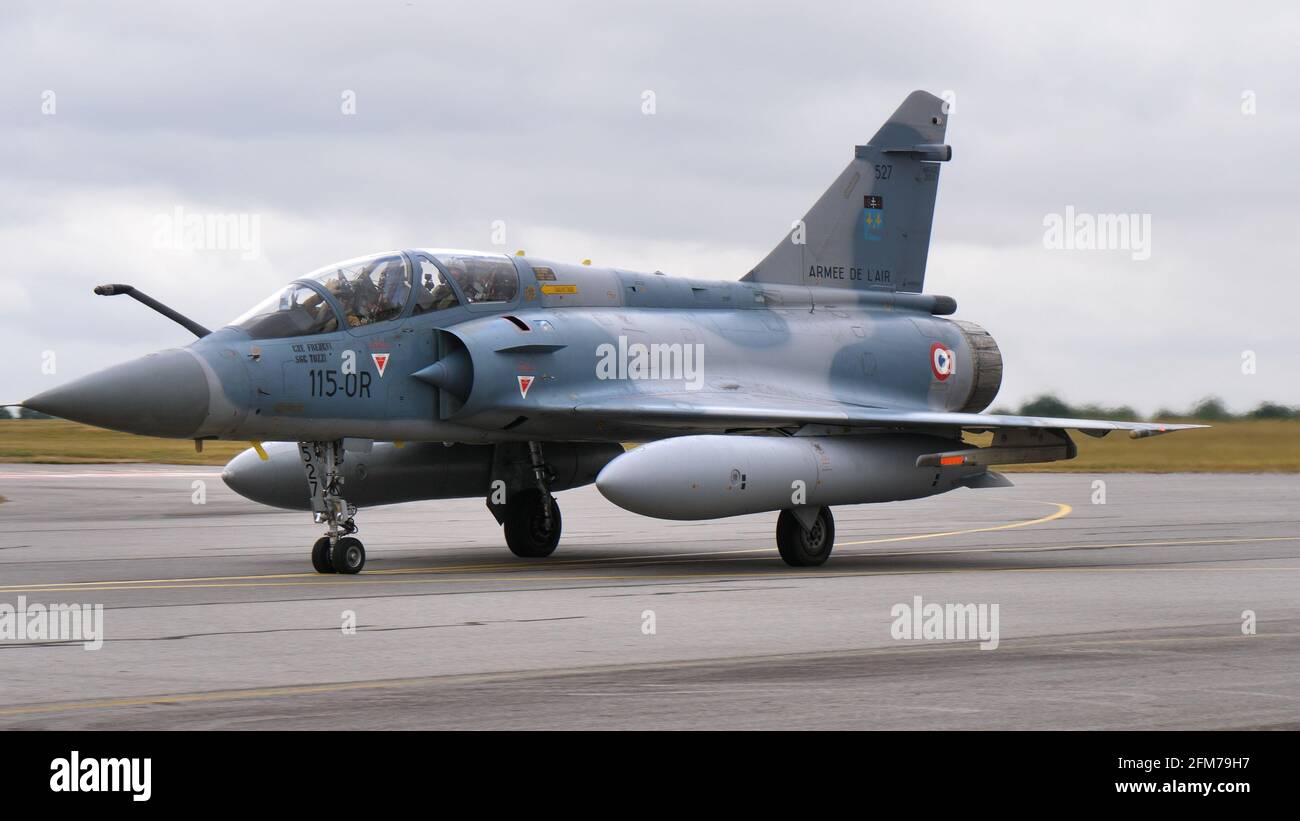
<point x="823" y="377"/>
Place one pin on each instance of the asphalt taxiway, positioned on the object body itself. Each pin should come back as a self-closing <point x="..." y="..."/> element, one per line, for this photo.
<point x="1120" y="615"/>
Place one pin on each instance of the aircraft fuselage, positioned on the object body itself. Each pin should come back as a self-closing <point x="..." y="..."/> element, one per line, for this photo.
<point x="579" y="335"/>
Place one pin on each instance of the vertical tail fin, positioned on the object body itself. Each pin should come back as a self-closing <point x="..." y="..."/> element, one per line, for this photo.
<point x="871" y="229"/>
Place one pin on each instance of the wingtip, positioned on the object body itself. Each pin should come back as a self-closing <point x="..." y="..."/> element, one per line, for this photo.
<point x="1144" y="433"/>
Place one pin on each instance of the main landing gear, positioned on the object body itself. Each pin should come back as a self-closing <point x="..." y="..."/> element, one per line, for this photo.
<point x="532" y="524"/>
<point x="521" y="500"/>
<point x="805" y="536"/>
<point x="337" y="551"/>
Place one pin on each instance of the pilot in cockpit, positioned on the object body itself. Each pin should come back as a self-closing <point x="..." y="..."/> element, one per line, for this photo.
<point x="341" y="291"/>
<point x="322" y="315"/>
<point x="338" y="287"/>
<point x="498" y="287"/>
<point x="443" y="295"/>
<point x="433" y="292"/>
<point x="365" y="298"/>
<point x="393" y="290"/>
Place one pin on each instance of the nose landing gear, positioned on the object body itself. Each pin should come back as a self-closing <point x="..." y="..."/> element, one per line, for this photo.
<point x="337" y="551"/>
<point x="320" y="555"/>
<point x="348" y="556"/>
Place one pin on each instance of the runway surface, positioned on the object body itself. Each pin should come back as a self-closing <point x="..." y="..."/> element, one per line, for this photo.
<point x="1120" y="615"/>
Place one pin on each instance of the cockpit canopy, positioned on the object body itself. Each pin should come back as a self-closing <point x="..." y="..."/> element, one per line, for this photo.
<point x="481" y="277"/>
<point x="378" y="288"/>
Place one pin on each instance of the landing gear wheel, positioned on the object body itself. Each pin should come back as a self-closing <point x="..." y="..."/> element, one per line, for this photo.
<point x="320" y="555"/>
<point x="805" y="548"/>
<point x="348" y="556"/>
<point x="527" y="531"/>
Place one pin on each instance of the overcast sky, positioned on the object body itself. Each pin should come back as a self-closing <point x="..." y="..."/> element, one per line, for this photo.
<point x="532" y="114"/>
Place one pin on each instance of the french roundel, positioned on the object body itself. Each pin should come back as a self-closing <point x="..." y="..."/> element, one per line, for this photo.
<point x="942" y="361"/>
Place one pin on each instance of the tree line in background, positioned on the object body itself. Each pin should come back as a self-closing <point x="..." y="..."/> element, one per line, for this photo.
<point x="1209" y="409"/>
<point x="23" y="413"/>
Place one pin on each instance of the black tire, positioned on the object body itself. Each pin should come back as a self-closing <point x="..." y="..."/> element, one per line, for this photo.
<point x="526" y="531"/>
<point x="320" y="555"/>
<point x="805" y="548"/>
<point x="348" y="556"/>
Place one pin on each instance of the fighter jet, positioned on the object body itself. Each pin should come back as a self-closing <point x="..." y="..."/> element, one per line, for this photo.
<point x="823" y="377"/>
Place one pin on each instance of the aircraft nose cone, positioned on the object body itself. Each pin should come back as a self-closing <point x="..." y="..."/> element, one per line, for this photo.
<point x="278" y="481"/>
<point x="162" y="394"/>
